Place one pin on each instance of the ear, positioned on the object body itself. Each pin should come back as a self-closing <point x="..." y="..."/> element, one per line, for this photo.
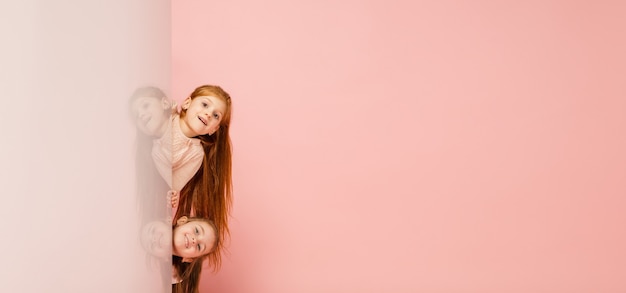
<point x="187" y="259"/>
<point x="181" y="221"/>
<point x="186" y="103"/>
<point x="165" y="103"/>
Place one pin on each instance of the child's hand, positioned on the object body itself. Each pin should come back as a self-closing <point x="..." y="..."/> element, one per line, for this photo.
<point x="172" y="199"/>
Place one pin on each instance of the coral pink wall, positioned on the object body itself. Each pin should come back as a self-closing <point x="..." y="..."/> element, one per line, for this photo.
<point x="417" y="146"/>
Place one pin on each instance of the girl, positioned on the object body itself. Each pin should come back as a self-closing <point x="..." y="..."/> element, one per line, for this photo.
<point x="191" y="241"/>
<point x="194" y="240"/>
<point x="198" y="132"/>
<point x="200" y="160"/>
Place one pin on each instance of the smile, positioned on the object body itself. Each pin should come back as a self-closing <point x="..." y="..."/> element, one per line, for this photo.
<point x="202" y="120"/>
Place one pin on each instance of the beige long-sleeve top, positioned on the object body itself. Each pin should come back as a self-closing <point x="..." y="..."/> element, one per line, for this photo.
<point x="176" y="156"/>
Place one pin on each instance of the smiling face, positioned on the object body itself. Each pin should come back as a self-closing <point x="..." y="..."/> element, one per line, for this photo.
<point x="150" y="115"/>
<point x="193" y="238"/>
<point x="202" y="115"/>
<point x="155" y="238"/>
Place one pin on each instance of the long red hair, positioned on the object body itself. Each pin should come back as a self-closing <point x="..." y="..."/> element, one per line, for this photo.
<point x="209" y="192"/>
<point x="189" y="272"/>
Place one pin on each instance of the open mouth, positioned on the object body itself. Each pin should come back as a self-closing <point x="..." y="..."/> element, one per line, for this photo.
<point x="186" y="241"/>
<point x="202" y="120"/>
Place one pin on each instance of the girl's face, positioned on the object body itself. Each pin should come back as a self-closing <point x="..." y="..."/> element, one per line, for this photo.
<point x="150" y="115"/>
<point x="204" y="115"/>
<point x="155" y="239"/>
<point x="193" y="239"/>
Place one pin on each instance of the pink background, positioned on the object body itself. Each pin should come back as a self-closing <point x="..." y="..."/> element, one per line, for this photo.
<point x="417" y="146"/>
